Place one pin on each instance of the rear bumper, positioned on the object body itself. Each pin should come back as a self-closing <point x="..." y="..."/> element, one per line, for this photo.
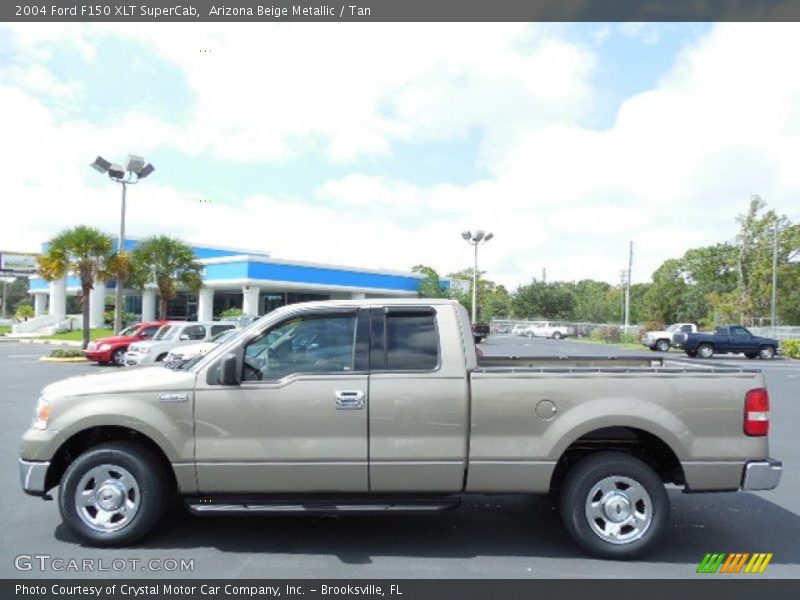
<point x="762" y="474"/>
<point x="32" y="476"/>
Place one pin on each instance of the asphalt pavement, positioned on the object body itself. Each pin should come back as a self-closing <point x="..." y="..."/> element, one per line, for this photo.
<point x="489" y="536"/>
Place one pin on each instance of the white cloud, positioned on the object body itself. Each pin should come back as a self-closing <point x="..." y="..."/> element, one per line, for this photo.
<point x="679" y="161"/>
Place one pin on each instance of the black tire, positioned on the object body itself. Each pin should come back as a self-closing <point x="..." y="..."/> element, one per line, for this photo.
<point x="662" y="345"/>
<point x="691" y="353"/>
<point x="751" y="356"/>
<point x="705" y="351"/>
<point x="161" y="357"/>
<point x="557" y="335"/>
<point x="118" y="357"/>
<point x="606" y="466"/>
<point x="153" y="492"/>
<point x="766" y="352"/>
<point x="653" y="348"/>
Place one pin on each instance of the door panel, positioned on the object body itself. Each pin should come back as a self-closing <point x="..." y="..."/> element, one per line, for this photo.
<point x="417" y="433"/>
<point x="282" y="437"/>
<point x="418" y="402"/>
<point x="298" y="421"/>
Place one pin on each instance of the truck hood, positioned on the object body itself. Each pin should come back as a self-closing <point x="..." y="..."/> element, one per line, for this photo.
<point x="129" y="379"/>
<point x="659" y="334"/>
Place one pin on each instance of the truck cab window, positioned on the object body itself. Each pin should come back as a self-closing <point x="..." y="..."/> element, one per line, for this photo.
<point x="304" y="344"/>
<point x="411" y="342"/>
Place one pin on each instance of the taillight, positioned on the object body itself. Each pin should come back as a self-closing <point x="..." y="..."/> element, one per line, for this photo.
<point x="756" y="412"/>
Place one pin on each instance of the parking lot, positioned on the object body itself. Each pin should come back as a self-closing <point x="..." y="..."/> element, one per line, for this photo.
<point x="497" y="537"/>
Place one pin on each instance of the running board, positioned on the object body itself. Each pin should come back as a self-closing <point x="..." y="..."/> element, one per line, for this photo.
<point x="205" y="507"/>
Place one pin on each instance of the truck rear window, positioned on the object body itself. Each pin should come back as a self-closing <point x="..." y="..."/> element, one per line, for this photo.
<point x="411" y="342"/>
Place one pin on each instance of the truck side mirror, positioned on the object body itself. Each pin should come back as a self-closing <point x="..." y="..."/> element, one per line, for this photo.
<point x="228" y="371"/>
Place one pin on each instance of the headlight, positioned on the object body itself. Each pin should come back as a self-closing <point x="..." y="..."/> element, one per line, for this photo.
<point x="41" y="414"/>
<point x="104" y="347"/>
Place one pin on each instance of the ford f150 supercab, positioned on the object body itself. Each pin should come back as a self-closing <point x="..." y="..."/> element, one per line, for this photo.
<point x="382" y="405"/>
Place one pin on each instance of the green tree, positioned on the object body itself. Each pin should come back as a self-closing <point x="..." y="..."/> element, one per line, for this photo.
<point x="431" y="286"/>
<point x="554" y="300"/>
<point x="82" y="250"/>
<point x="168" y="262"/>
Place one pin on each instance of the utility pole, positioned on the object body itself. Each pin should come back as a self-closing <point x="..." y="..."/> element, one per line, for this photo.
<point x="544" y="274"/>
<point x="774" y="302"/>
<point x="628" y="288"/>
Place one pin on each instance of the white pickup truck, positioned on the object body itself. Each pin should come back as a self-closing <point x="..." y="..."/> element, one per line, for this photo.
<point x="662" y="341"/>
<point x="548" y="329"/>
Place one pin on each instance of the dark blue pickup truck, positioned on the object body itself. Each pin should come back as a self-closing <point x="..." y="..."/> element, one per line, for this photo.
<point x="733" y="339"/>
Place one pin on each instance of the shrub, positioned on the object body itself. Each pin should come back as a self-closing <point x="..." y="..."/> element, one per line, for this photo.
<point x="629" y="337"/>
<point x="69" y="353"/>
<point x="231" y="313"/>
<point x="791" y="348"/>
<point x="609" y="334"/>
<point x="654" y="326"/>
<point x="24" y="311"/>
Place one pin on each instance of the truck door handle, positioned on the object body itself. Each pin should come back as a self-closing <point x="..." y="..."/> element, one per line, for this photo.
<point x="349" y="399"/>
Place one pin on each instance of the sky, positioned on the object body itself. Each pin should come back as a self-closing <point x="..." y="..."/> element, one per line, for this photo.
<point x="375" y="145"/>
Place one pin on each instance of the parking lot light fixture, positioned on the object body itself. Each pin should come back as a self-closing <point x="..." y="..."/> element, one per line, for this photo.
<point x="135" y="168"/>
<point x="475" y="239"/>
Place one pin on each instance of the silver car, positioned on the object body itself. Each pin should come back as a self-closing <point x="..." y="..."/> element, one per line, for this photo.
<point x="171" y="335"/>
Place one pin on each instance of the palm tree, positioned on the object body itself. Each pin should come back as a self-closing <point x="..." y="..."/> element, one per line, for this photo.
<point x="82" y="250"/>
<point x="169" y="263"/>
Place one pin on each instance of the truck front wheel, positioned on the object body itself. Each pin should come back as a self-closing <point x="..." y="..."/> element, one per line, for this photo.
<point x="614" y="506"/>
<point x="113" y="494"/>
<point x="662" y="345"/>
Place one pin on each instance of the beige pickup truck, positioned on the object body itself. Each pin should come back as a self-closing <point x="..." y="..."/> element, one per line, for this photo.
<point x="382" y="405"/>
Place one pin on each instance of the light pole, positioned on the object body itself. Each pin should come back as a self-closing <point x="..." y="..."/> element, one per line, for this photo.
<point x="475" y="239"/>
<point x="135" y="169"/>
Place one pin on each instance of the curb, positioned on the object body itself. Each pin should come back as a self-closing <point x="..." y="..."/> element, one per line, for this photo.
<point x="53" y="342"/>
<point x="63" y="360"/>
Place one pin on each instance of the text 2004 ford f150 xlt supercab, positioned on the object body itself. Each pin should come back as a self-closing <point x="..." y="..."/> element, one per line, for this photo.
<point x="382" y="405"/>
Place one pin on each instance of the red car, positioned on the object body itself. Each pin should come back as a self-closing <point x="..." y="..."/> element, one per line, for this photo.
<point x="112" y="349"/>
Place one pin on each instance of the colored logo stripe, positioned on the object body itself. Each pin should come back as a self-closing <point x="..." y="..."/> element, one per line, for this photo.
<point x="758" y="563"/>
<point x="715" y="562"/>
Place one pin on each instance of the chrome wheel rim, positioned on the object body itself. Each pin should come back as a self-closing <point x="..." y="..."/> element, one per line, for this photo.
<point x="118" y="357"/>
<point x="107" y="498"/>
<point x="619" y="510"/>
<point x="705" y="352"/>
<point x="766" y="353"/>
<point x="662" y="346"/>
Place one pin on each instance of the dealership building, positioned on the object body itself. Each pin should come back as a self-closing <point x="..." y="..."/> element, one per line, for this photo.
<point x="232" y="278"/>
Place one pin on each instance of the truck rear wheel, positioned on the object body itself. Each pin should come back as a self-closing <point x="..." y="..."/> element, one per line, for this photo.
<point x="705" y="351"/>
<point x="113" y="494"/>
<point x="614" y="506"/>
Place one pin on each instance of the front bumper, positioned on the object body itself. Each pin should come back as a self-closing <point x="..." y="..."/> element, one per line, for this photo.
<point x="98" y="355"/>
<point x="32" y="475"/>
<point x="762" y="474"/>
<point x="134" y="358"/>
